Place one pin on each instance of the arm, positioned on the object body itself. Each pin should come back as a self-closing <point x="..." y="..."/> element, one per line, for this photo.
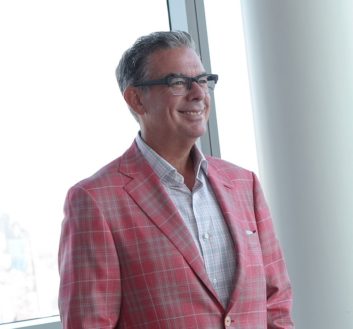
<point x="279" y="292"/>
<point x="89" y="294"/>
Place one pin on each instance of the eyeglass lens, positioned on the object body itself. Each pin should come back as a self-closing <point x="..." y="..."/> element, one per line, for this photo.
<point x="181" y="85"/>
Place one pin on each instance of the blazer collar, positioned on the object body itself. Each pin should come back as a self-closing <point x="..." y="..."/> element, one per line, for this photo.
<point x="235" y="217"/>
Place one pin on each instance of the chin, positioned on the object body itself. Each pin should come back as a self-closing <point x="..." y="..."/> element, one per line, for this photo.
<point x="194" y="132"/>
<point x="197" y="134"/>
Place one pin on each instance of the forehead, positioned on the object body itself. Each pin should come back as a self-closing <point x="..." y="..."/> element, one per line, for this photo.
<point x="175" y="60"/>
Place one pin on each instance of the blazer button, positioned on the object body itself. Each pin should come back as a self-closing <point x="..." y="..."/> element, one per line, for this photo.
<point x="227" y="321"/>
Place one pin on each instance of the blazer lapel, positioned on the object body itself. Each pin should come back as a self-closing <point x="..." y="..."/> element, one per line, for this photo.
<point x="148" y="193"/>
<point x="234" y="217"/>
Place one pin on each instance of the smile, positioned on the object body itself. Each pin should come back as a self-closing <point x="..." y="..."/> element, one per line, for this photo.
<point x="194" y="113"/>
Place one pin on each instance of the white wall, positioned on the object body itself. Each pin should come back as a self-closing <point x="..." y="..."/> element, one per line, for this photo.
<point x="300" y="57"/>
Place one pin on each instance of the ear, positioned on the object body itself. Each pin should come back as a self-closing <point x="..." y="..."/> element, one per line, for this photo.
<point x="132" y="96"/>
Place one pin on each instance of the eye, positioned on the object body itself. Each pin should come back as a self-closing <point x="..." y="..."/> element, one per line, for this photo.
<point x="202" y="81"/>
<point x="177" y="82"/>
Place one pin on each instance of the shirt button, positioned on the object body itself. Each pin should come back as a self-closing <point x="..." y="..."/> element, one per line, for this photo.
<point x="227" y="321"/>
<point x="206" y="236"/>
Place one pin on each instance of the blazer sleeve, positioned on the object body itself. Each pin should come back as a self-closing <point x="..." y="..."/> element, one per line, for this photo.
<point x="90" y="292"/>
<point x="279" y="292"/>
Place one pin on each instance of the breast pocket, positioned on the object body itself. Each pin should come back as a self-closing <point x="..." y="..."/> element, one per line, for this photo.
<point x="255" y="272"/>
<point x="254" y="248"/>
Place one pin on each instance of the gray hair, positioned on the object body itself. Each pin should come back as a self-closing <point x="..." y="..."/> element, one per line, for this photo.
<point x="133" y="65"/>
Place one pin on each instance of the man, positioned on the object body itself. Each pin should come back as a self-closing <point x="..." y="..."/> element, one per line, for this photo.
<point x="163" y="237"/>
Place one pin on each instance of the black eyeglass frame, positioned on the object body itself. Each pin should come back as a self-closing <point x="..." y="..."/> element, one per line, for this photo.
<point x="167" y="80"/>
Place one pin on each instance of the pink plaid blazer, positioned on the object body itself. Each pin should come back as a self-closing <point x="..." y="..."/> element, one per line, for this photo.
<point x="126" y="259"/>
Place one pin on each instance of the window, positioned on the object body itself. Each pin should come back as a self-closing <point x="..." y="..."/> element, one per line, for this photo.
<point x="232" y="95"/>
<point x="62" y="118"/>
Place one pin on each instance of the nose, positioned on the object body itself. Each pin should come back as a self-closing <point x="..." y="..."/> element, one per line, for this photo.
<point x="196" y="91"/>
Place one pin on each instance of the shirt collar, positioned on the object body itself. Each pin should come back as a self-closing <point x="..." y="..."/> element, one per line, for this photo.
<point x="164" y="169"/>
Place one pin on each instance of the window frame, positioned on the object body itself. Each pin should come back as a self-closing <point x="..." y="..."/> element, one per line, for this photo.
<point x="189" y="16"/>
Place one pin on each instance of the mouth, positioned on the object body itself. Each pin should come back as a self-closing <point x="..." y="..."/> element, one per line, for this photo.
<point x="192" y="113"/>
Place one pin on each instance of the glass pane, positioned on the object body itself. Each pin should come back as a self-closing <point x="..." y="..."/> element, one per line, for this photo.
<point x="228" y="60"/>
<point x="62" y="117"/>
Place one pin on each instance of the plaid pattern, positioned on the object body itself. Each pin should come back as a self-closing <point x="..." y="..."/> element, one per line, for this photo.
<point x="127" y="260"/>
<point x="202" y="216"/>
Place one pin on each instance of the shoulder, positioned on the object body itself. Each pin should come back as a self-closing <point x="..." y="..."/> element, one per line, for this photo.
<point x="243" y="181"/>
<point x="102" y="180"/>
<point x="114" y="174"/>
<point x="229" y="170"/>
<point x="113" y="177"/>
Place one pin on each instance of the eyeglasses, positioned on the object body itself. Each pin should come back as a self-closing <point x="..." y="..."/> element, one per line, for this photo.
<point x="180" y="85"/>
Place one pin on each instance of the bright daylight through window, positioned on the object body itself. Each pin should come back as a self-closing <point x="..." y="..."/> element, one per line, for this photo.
<point x="228" y="60"/>
<point x="62" y="117"/>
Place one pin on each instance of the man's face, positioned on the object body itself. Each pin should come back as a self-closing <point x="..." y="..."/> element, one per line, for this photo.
<point x="170" y="119"/>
